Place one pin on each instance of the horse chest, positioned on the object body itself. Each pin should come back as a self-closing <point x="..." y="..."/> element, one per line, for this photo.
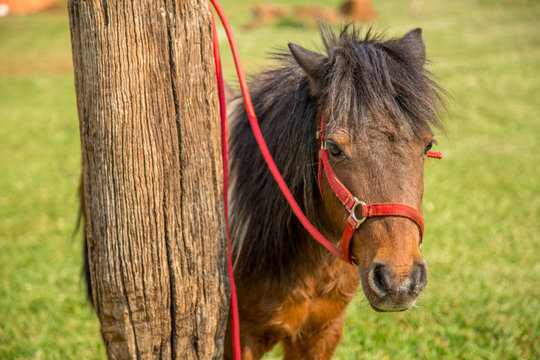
<point x="316" y="304"/>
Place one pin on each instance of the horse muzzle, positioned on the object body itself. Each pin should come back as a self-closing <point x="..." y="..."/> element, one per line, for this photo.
<point x="390" y="290"/>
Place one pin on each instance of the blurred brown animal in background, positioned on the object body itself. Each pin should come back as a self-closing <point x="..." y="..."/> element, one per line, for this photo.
<point x="303" y="16"/>
<point x="359" y="10"/>
<point x="24" y="7"/>
<point x="265" y="15"/>
<point x="310" y="15"/>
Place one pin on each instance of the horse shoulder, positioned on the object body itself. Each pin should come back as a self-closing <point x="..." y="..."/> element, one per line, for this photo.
<point x="318" y="301"/>
<point x="332" y="297"/>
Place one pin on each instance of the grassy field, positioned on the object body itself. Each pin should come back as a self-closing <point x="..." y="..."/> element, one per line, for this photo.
<point x="482" y="202"/>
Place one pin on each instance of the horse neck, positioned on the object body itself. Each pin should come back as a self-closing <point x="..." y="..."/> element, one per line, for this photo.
<point x="267" y="239"/>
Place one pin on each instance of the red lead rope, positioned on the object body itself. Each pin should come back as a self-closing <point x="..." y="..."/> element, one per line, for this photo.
<point x="350" y="201"/>
<point x="260" y="140"/>
<point x="225" y="156"/>
<point x="267" y="157"/>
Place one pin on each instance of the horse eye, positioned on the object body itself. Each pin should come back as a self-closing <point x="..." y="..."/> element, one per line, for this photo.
<point x="428" y="147"/>
<point x="334" y="149"/>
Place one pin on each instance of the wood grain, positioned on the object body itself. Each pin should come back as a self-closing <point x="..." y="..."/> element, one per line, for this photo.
<point x="149" y="125"/>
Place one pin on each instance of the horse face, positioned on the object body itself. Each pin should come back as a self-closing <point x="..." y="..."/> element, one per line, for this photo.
<point x="377" y="106"/>
<point x="382" y="165"/>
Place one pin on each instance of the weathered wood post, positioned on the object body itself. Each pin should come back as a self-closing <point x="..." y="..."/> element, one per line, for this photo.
<point x="149" y="126"/>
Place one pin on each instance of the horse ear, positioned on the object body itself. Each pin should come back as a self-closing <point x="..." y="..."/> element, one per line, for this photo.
<point x="414" y="42"/>
<point x="312" y="64"/>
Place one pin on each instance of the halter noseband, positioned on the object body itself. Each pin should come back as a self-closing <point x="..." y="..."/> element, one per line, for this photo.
<point x="351" y="203"/>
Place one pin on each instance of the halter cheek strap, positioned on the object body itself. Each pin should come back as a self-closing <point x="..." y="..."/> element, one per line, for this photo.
<point x="353" y="205"/>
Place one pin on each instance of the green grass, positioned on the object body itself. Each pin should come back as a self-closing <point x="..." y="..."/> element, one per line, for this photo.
<point x="482" y="202"/>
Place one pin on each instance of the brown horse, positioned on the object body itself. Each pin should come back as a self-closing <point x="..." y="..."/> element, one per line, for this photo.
<point x="378" y="103"/>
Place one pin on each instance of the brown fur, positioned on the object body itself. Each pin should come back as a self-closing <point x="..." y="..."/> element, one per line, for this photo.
<point x="306" y="318"/>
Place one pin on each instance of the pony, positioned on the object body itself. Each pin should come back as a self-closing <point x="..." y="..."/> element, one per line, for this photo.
<point x="379" y="105"/>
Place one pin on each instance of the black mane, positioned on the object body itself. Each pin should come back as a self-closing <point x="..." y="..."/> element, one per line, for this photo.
<point x="365" y="78"/>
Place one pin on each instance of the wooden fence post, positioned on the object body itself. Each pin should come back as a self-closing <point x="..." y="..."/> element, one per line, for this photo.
<point x="149" y="126"/>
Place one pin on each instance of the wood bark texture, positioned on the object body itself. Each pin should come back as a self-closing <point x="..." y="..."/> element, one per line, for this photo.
<point x="149" y="126"/>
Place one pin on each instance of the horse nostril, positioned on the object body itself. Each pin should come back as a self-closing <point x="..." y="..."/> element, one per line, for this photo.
<point x="418" y="278"/>
<point x="381" y="280"/>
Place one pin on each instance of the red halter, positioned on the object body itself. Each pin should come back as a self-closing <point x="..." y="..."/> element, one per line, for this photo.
<point x="351" y="203"/>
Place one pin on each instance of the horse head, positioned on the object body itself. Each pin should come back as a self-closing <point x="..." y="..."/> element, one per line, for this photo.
<point x="378" y="102"/>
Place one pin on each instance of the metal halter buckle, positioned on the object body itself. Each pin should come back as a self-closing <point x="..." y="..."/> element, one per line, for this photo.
<point x="353" y="214"/>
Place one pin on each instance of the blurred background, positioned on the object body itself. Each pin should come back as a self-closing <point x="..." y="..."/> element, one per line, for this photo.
<point x="481" y="202"/>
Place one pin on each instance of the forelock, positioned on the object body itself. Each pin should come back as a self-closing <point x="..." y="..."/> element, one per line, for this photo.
<point x="370" y="79"/>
